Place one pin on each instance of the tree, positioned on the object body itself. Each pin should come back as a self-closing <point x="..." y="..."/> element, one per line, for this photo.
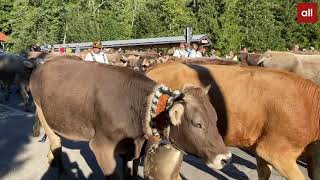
<point x="163" y="18"/>
<point x="50" y="24"/>
<point x="23" y="22"/>
<point x="208" y="17"/>
<point x="251" y="24"/>
<point x="230" y="37"/>
<point x="5" y="9"/>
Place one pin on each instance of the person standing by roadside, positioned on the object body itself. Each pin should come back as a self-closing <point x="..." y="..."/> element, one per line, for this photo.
<point x="181" y="52"/>
<point x="77" y="51"/>
<point x="68" y="50"/>
<point x="61" y="50"/>
<point x="96" y="54"/>
<point x="193" y="52"/>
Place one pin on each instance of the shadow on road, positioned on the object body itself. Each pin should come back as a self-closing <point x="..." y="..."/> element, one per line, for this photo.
<point x="72" y="168"/>
<point x="230" y="170"/>
<point x="200" y="165"/>
<point x="15" y="133"/>
<point x="238" y="160"/>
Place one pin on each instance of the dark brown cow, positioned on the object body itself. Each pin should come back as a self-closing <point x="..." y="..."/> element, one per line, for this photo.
<point x="16" y="69"/>
<point x="251" y="59"/>
<point x="112" y="107"/>
<point x="274" y="113"/>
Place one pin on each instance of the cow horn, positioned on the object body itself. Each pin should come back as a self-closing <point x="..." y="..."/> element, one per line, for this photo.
<point x="262" y="60"/>
<point x="28" y="64"/>
<point x="175" y="114"/>
<point x="207" y="88"/>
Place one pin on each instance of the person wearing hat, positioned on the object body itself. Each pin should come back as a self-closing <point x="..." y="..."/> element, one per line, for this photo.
<point x="96" y="54"/>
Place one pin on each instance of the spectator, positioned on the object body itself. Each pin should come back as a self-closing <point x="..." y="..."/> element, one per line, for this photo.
<point x="201" y="51"/>
<point x="52" y="49"/>
<point x="187" y="48"/>
<point x="61" y="50"/>
<point x="96" y="54"/>
<point x="213" y="54"/>
<point x="245" y="50"/>
<point x="231" y="56"/>
<point x="77" y="51"/>
<point x="295" y="48"/>
<point x="68" y="50"/>
<point x="311" y="49"/>
<point x="181" y="52"/>
<point x="193" y="52"/>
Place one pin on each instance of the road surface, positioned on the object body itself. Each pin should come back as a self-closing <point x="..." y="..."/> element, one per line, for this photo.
<point x="23" y="157"/>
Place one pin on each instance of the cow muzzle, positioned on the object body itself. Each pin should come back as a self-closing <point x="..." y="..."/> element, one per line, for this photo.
<point x="220" y="161"/>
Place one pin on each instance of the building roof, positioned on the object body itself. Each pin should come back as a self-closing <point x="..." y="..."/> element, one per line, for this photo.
<point x="204" y="39"/>
<point x="3" y="37"/>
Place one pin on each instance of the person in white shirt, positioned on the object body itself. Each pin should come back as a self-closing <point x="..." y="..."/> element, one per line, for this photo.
<point x="181" y="52"/>
<point x="193" y="52"/>
<point x="201" y="51"/>
<point x="96" y="54"/>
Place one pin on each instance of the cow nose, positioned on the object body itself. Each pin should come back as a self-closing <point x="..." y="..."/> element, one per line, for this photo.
<point x="225" y="161"/>
<point x="220" y="161"/>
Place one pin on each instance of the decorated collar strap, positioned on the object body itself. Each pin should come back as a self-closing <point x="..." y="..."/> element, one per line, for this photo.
<point x="162" y="100"/>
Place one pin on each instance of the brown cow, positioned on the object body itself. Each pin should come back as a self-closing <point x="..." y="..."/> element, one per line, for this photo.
<point x="274" y="113"/>
<point x="115" y="108"/>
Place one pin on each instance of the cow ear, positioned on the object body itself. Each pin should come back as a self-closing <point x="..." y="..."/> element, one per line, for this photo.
<point x="207" y="89"/>
<point x="175" y="114"/>
<point x="28" y="64"/>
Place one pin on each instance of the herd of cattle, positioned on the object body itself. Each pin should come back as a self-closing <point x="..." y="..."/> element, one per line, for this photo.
<point x="198" y="106"/>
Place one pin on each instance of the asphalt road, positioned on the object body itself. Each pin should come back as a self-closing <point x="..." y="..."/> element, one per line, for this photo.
<point x="22" y="157"/>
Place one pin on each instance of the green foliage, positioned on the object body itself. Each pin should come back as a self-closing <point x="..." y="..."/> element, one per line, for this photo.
<point x="231" y="24"/>
<point x="5" y="16"/>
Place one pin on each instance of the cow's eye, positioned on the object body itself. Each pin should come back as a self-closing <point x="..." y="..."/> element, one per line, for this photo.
<point x="196" y="124"/>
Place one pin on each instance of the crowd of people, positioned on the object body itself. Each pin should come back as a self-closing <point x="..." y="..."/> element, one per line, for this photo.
<point x="185" y="50"/>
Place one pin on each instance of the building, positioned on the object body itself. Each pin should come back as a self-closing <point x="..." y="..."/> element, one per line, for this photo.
<point x="3" y="39"/>
<point x="160" y="42"/>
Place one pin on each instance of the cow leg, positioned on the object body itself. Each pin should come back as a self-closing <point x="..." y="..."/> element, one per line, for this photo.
<point x="282" y="159"/>
<point x="6" y="88"/>
<point x="313" y="160"/>
<point x="135" y="167"/>
<point x="103" y="150"/>
<point x="36" y="126"/>
<point x="25" y="96"/>
<point x="55" y="151"/>
<point x="263" y="169"/>
<point x="125" y="169"/>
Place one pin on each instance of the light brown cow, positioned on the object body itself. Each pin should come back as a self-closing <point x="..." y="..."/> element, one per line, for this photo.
<point x="307" y="66"/>
<point x="274" y="113"/>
